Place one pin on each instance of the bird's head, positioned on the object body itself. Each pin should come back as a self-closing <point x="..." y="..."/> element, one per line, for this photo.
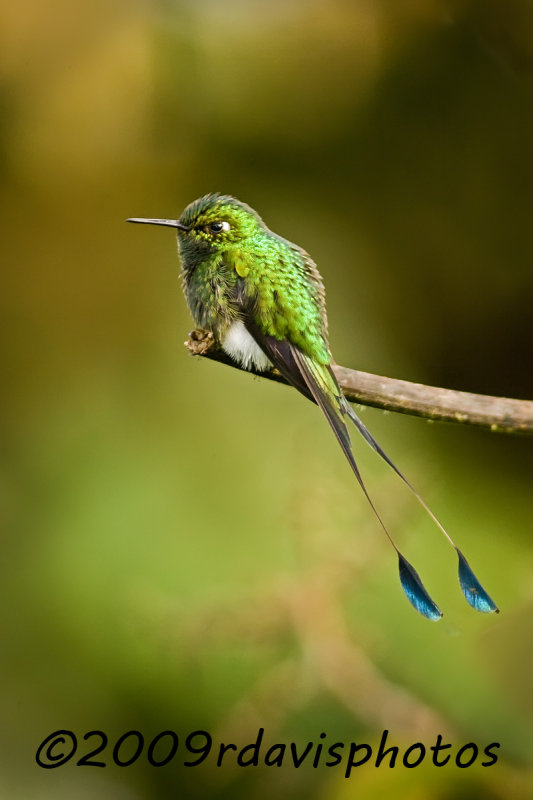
<point x="210" y="224"/>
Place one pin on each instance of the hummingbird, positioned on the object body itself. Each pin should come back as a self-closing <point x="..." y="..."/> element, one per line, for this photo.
<point x="263" y="299"/>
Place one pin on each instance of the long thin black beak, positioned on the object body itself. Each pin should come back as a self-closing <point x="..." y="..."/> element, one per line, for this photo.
<point x="170" y="223"/>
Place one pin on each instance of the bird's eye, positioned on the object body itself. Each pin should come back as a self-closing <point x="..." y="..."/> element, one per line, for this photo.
<point x="218" y="227"/>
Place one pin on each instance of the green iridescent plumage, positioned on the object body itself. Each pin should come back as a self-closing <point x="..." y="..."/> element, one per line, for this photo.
<point x="263" y="298"/>
<point x="276" y="278"/>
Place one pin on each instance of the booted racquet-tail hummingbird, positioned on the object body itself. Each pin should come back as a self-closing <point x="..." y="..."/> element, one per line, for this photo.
<point x="263" y="299"/>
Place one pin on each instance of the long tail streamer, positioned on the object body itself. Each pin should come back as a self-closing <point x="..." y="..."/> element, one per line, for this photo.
<point x="472" y="589"/>
<point x="318" y="383"/>
<point x="411" y="582"/>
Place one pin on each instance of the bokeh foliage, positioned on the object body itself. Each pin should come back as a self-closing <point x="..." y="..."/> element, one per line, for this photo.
<point x="183" y="545"/>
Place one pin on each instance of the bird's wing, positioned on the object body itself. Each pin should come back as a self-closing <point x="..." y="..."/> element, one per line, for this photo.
<point x="283" y="301"/>
<point x="290" y="326"/>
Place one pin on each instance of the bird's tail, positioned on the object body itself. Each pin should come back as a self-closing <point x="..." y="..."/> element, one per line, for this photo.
<point x="473" y="591"/>
<point x="322" y="388"/>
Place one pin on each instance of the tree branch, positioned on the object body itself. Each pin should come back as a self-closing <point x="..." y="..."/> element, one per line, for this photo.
<point x="499" y="414"/>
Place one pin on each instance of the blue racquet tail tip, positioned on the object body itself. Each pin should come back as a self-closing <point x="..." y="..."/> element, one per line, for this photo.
<point x="415" y="591"/>
<point x="473" y="591"/>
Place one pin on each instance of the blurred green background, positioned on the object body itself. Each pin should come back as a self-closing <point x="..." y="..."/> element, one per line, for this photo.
<point x="183" y="545"/>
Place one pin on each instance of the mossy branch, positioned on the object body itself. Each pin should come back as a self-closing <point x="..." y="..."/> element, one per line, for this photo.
<point x="498" y="414"/>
